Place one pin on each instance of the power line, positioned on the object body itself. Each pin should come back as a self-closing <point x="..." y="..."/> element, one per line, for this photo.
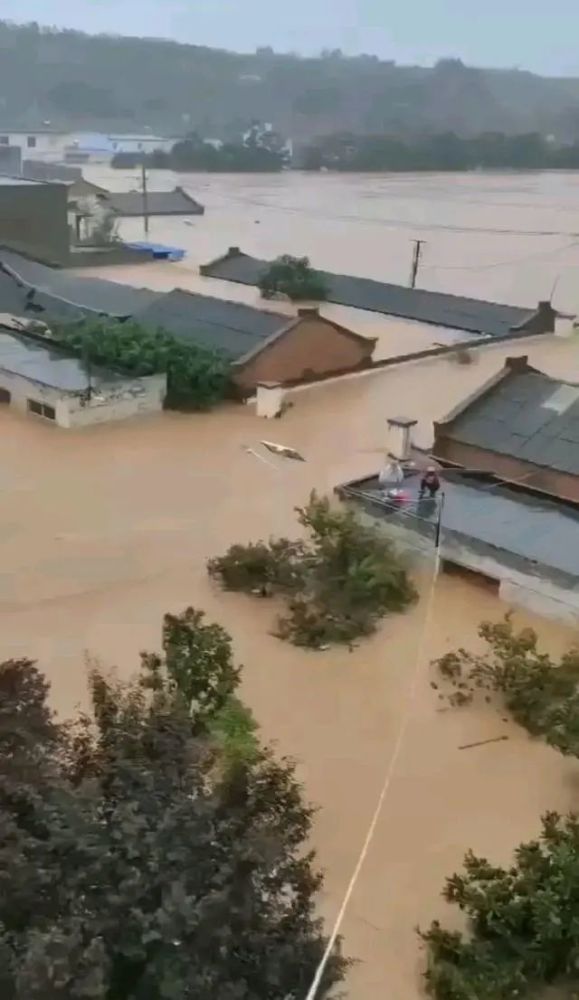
<point x="541" y="255"/>
<point x="401" y="223"/>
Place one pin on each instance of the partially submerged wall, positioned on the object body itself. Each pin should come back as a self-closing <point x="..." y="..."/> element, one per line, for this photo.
<point x="33" y="220"/>
<point x="132" y="398"/>
<point x="521" y="583"/>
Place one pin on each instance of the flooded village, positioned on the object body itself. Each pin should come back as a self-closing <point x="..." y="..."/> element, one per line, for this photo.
<point x="108" y="519"/>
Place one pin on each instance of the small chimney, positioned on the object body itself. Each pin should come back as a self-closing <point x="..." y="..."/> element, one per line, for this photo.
<point x="309" y="311"/>
<point x="520" y="363"/>
<point x="233" y="252"/>
<point x="399" y="442"/>
<point x="269" y="399"/>
<point x="545" y="307"/>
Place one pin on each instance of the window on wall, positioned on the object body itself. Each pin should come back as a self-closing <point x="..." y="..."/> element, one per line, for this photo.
<point x="31" y="141"/>
<point x="41" y="409"/>
<point x="4" y="140"/>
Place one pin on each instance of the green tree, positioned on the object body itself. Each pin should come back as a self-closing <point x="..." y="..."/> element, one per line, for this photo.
<point x="523" y="933"/>
<point x="339" y="582"/>
<point x="132" y="867"/>
<point x="542" y="694"/>
<point x="196" y="378"/>
<point x="197" y="661"/>
<point x="522" y="920"/>
<point x="294" y="277"/>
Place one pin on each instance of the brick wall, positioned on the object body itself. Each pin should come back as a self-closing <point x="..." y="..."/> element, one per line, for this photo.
<point x="559" y="484"/>
<point x="312" y="346"/>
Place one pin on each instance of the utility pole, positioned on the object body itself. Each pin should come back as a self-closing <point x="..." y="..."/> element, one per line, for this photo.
<point x="418" y="244"/>
<point x="145" y="194"/>
<point x="87" y="362"/>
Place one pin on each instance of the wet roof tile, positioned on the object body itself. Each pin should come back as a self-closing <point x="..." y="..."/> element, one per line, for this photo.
<point x="216" y="324"/>
<point x="528" y="416"/>
<point x="451" y="311"/>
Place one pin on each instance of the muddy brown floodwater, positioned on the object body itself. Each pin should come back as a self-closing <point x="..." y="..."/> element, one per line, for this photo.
<point x="106" y="529"/>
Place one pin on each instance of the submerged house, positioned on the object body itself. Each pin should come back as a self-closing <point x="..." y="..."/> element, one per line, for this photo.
<point x="130" y="204"/>
<point x="33" y="218"/>
<point x="45" y="381"/>
<point x="474" y="317"/>
<point x="261" y="346"/>
<point x="507" y="512"/>
<point x="521" y="425"/>
<point x="31" y="289"/>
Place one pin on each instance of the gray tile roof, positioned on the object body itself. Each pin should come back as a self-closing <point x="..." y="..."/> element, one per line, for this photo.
<point x="515" y="527"/>
<point x="49" y="365"/>
<point x="90" y="294"/>
<point x="130" y="203"/>
<point x="530" y="416"/>
<point x="20" y="300"/>
<point x="223" y="326"/>
<point x="451" y="311"/>
<point x="7" y="181"/>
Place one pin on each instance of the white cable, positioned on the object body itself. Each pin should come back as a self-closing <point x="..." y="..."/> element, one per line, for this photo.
<point x="313" y="990"/>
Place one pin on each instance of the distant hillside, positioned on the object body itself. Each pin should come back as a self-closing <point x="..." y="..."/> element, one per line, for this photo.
<point x="107" y="82"/>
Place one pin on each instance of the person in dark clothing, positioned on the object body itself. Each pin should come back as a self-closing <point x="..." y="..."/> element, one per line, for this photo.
<point x="430" y="483"/>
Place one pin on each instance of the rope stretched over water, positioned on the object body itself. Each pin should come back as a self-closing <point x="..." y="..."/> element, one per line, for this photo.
<point x="313" y="990"/>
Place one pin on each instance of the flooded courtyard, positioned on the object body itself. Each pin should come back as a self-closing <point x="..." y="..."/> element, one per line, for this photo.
<point x="106" y="529"/>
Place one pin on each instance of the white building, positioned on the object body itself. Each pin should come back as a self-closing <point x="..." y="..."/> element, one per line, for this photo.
<point x="41" y="144"/>
<point x="101" y="147"/>
<point x="46" y="382"/>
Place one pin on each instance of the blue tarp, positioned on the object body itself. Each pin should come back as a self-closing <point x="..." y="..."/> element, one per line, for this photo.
<point x="158" y="250"/>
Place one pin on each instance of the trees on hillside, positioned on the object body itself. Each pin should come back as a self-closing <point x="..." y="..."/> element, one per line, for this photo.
<point x="128" y="84"/>
<point x="196" y="378"/>
<point x="141" y="858"/>
<point x="439" y="151"/>
<point x="256" y="153"/>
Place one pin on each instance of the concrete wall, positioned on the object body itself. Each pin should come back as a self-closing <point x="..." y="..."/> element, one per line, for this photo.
<point x="117" y="254"/>
<point x="10" y="161"/>
<point x="559" y="484"/>
<point x="118" y="404"/>
<point x="521" y="584"/>
<point x="534" y="591"/>
<point x="22" y="389"/>
<point x="312" y="347"/>
<point x="33" y="220"/>
<point x="48" y="146"/>
<point x="134" y="397"/>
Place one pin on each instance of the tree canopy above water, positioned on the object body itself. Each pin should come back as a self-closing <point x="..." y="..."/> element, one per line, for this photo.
<point x="148" y="850"/>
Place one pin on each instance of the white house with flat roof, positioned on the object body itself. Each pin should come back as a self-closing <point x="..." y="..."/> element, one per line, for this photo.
<point x="43" y="380"/>
<point x="37" y="144"/>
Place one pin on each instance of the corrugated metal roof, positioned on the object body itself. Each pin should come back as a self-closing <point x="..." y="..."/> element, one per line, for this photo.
<point x="530" y="416"/>
<point x="217" y="324"/>
<point x="452" y="311"/>
<point x="38" y="362"/>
